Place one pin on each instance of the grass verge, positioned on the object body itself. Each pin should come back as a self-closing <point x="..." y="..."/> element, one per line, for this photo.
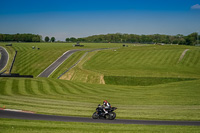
<point x="24" y="126"/>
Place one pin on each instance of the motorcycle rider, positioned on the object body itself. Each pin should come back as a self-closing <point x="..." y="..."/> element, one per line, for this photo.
<point x="106" y="105"/>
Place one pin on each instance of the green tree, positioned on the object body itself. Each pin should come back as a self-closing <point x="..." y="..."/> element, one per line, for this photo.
<point x="67" y="39"/>
<point x="191" y="39"/>
<point x="2" y="37"/>
<point x="53" y="39"/>
<point x="72" y="39"/>
<point x="46" y="39"/>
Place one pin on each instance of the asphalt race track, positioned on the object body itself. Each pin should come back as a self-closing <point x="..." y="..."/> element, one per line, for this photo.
<point x="47" y="72"/>
<point x="4" y="58"/>
<point x="33" y="116"/>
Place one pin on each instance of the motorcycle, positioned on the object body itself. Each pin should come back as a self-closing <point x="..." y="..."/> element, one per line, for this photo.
<point x="101" y="114"/>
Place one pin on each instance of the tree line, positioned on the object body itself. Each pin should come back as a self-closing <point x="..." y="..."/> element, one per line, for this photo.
<point x="24" y="38"/>
<point x="190" y="39"/>
<point x="20" y="38"/>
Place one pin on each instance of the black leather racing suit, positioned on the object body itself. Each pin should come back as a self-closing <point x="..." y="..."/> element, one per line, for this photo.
<point x="106" y="106"/>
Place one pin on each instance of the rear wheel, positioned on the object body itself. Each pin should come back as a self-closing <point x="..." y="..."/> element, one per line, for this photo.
<point x="107" y="116"/>
<point x="95" y="115"/>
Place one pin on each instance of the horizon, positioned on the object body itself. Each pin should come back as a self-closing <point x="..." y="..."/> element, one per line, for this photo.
<point x="64" y="19"/>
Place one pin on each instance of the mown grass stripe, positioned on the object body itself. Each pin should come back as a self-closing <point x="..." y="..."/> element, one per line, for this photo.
<point x="75" y="89"/>
<point x="40" y="87"/>
<point x="2" y="87"/>
<point x="173" y="57"/>
<point x="46" y="88"/>
<point x="196" y="57"/>
<point x="60" y="88"/>
<point x="88" y="90"/>
<point x="34" y="87"/>
<point x="139" y="57"/>
<point x="8" y="87"/>
<point x="51" y="88"/>
<point x="159" y="58"/>
<point x="164" y="56"/>
<point x="144" y="57"/>
<point x="43" y="105"/>
<point x="65" y="87"/>
<point x="22" y="88"/>
<point x="192" y="58"/>
<point x="28" y="87"/>
<point x="71" y="89"/>
<point x="15" y="87"/>
<point x="78" y="88"/>
<point x="154" y="54"/>
<point x="187" y="59"/>
<point x="55" y="88"/>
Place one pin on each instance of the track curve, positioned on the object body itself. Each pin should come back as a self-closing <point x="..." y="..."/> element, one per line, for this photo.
<point x="32" y="116"/>
<point x="4" y="58"/>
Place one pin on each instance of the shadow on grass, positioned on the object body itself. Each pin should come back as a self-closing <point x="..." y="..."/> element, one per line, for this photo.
<point x="141" y="81"/>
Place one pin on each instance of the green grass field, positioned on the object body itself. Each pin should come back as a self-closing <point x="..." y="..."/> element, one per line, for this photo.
<point x="149" y="61"/>
<point x="143" y="63"/>
<point x="24" y="126"/>
<point x="143" y="81"/>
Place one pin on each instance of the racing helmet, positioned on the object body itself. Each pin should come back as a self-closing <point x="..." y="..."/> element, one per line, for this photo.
<point x="105" y="102"/>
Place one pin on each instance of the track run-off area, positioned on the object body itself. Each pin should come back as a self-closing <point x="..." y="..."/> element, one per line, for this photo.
<point x="33" y="116"/>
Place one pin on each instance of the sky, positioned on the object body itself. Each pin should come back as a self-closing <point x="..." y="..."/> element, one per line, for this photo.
<point x="81" y="18"/>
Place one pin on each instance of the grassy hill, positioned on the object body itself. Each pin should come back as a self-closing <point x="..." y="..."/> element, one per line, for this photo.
<point x="138" y="65"/>
<point x="149" y="61"/>
<point x="31" y="61"/>
<point x="172" y="101"/>
<point x="144" y="82"/>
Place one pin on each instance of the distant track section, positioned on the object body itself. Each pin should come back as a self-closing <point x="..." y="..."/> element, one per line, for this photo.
<point x="79" y="61"/>
<point x="4" y="58"/>
<point x="50" y="69"/>
<point x="33" y="116"/>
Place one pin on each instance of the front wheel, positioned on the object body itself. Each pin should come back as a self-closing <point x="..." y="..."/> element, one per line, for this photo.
<point x="95" y="115"/>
